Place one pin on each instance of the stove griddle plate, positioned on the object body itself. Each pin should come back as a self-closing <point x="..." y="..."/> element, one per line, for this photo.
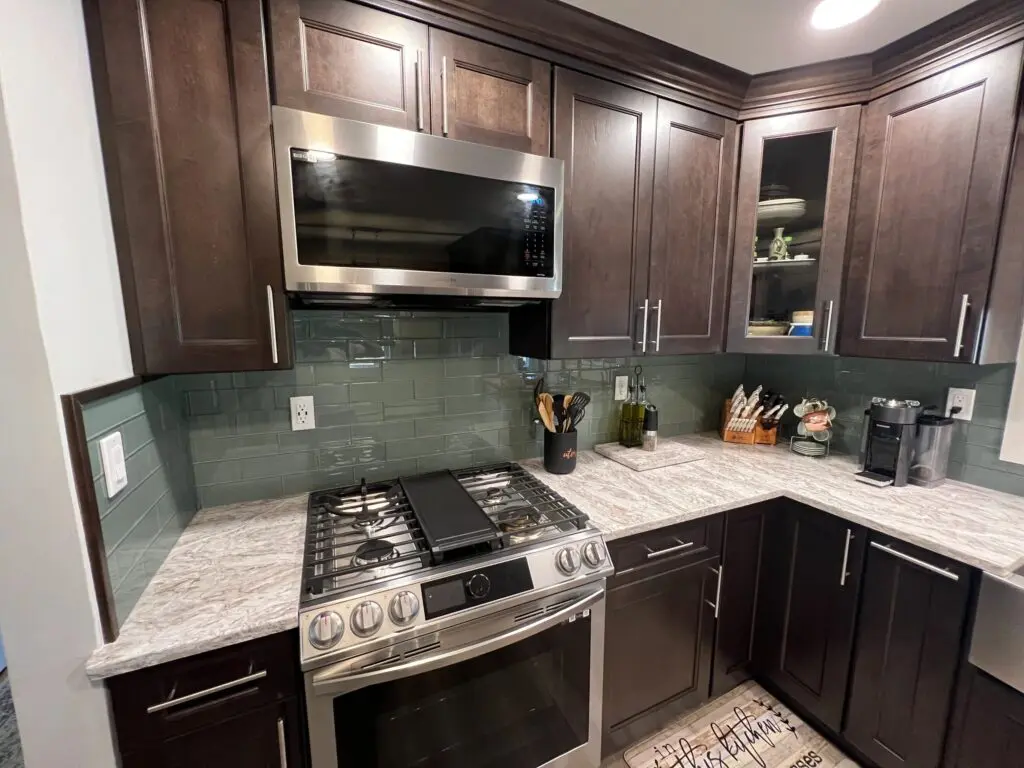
<point x="450" y="518"/>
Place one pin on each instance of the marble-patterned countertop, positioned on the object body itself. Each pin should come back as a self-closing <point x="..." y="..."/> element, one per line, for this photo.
<point x="974" y="525"/>
<point x="236" y="572"/>
<point x="234" y="575"/>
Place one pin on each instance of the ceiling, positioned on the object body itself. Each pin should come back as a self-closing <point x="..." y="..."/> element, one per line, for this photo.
<point x="765" y="35"/>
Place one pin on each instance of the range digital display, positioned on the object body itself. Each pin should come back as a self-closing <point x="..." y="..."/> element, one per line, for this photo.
<point x="443" y="596"/>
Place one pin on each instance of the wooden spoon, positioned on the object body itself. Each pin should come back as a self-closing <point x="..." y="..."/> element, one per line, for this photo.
<point x="546" y="409"/>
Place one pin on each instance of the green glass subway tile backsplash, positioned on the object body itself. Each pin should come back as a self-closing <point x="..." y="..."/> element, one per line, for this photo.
<point x="402" y="392"/>
<point x="142" y="522"/>
<point x="849" y="384"/>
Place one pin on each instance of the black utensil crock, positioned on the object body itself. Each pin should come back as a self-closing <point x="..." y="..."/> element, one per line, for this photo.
<point x="560" y="452"/>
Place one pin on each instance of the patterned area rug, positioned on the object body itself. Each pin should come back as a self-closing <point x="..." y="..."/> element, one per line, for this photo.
<point x="746" y="727"/>
<point x="10" y="743"/>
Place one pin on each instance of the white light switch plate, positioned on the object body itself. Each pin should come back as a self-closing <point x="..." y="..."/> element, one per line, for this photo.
<point x="963" y="398"/>
<point x="115" y="473"/>
<point x="621" y="387"/>
<point x="303" y="414"/>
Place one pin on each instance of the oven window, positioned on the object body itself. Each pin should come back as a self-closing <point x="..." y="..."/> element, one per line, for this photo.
<point x="367" y="213"/>
<point x="517" y="707"/>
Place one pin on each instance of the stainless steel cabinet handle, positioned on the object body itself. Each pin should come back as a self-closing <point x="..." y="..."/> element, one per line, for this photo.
<point x="643" y="335"/>
<point x="281" y="746"/>
<point x="207" y="692"/>
<point x="846" y="557"/>
<point x="657" y="329"/>
<point x="419" y="90"/>
<point x="718" y="590"/>
<point x="914" y="561"/>
<point x="827" y="334"/>
<point x="958" y="346"/>
<point x="444" y="95"/>
<point x="273" y="324"/>
<point x="652" y="554"/>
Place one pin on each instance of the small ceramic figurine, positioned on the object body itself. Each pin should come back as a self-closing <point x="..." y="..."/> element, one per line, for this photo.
<point x="815" y="419"/>
<point x="779" y="249"/>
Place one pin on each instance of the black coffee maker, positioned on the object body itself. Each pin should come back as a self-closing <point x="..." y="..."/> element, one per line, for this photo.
<point x="888" y="445"/>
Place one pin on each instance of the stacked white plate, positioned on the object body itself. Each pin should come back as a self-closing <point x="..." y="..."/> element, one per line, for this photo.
<point x="778" y="213"/>
<point x="808" y="448"/>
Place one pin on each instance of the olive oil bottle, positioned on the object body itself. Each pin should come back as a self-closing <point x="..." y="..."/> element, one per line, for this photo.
<point x="631" y="422"/>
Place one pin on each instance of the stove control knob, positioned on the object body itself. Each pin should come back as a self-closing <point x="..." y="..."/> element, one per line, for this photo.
<point x="326" y="630"/>
<point x="593" y="554"/>
<point x="404" y="608"/>
<point x="366" y="618"/>
<point x="479" y="585"/>
<point x="568" y="561"/>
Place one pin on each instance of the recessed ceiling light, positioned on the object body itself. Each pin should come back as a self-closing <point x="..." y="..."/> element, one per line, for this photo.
<point x="832" y="14"/>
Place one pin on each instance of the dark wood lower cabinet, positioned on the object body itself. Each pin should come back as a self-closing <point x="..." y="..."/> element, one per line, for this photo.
<point x="909" y="642"/>
<point x="264" y="738"/>
<point x="990" y="724"/>
<point x="737" y="598"/>
<point x="238" y="706"/>
<point x="807" y="606"/>
<point x="658" y="641"/>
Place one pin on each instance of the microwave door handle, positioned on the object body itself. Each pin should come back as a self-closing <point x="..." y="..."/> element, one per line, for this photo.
<point x="333" y="681"/>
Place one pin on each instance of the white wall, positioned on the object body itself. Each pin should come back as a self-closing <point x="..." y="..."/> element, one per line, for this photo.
<point x="62" y="329"/>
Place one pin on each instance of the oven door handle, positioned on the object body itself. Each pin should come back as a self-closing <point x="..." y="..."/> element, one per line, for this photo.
<point x="331" y="681"/>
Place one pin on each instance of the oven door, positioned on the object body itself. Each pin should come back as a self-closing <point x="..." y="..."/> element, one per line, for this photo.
<point x="368" y="209"/>
<point x="518" y="689"/>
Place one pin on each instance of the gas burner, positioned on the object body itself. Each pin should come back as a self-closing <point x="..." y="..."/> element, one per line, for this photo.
<point x="372" y="521"/>
<point x="515" y="521"/>
<point x="374" y="552"/>
<point x="493" y="496"/>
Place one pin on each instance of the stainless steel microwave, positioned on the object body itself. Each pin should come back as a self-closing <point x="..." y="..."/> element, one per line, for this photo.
<point x="370" y="213"/>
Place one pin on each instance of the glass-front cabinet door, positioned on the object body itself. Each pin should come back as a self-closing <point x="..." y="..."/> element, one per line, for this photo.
<point x="793" y="209"/>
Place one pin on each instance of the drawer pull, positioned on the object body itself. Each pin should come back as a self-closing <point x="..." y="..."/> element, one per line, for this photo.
<point x="914" y="561"/>
<point x="207" y="692"/>
<point x="680" y="546"/>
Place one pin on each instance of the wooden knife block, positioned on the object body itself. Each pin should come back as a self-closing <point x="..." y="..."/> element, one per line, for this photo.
<point x="758" y="436"/>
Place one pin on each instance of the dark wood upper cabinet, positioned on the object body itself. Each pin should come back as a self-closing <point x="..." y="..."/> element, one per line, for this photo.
<point x="182" y="96"/>
<point x="605" y="133"/>
<point x="792" y="214"/>
<point x="695" y="163"/>
<point x="909" y="639"/>
<point x="347" y="60"/>
<point x="807" y="606"/>
<point x="933" y="171"/>
<point x="489" y="95"/>
<point x="737" y="598"/>
<point x="989" y="724"/>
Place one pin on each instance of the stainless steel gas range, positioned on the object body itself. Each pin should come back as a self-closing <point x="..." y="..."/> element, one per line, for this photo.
<point x="452" y="619"/>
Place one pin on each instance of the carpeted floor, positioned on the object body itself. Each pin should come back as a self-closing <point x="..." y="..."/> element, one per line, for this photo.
<point x="10" y="743"/>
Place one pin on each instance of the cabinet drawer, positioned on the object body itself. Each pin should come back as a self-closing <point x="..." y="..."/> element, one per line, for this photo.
<point x="162" y="702"/>
<point x="673" y="545"/>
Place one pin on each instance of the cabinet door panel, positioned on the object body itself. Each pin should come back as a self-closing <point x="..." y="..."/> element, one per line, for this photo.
<point x="737" y="600"/>
<point x="933" y="170"/>
<point x="990" y="731"/>
<point x="264" y="738"/>
<point x="795" y="180"/>
<point x="605" y="133"/>
<point x="669" y="613"/>
<point x="342" y="59"/>
<point x="693" y="183"/>
<point x="494" y="96"/>
<point x="908" y="652"/>
<point x="193" y="203"/>
<point x="807" y="609"/>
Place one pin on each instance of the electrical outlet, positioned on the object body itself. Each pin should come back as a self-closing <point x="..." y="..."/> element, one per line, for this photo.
<point x="963" y="399"/>
<point x="303" y="415"/>
<point x="621" y="387"/>
<point x="115" y="472"/>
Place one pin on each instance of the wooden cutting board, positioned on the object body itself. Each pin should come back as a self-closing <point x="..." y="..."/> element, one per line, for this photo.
<point x="667" y="454"/>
